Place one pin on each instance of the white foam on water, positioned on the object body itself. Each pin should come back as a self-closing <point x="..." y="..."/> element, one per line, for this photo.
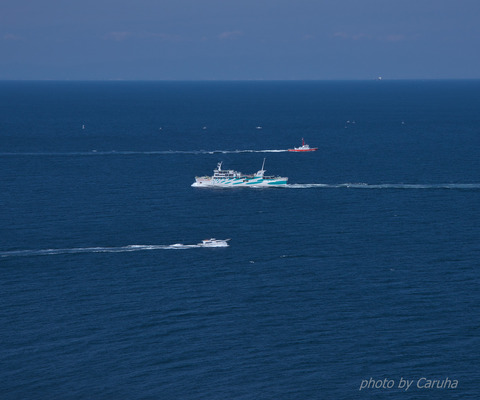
<point x="454" y="186"/>
<point x="305" y="185"/>
<point x="78" y="250"/>
<point x="98" y="153"/>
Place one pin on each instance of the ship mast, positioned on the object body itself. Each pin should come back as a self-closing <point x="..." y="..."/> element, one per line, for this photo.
<point x="262" y="171"/>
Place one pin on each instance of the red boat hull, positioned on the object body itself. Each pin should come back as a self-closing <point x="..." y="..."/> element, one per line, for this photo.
<point x="303" y="150"/>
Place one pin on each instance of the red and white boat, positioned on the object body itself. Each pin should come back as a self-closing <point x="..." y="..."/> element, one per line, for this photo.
<point x="304" y="147"/>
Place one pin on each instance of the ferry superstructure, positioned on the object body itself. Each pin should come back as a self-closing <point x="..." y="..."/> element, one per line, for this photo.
<point x="230" y="178"/>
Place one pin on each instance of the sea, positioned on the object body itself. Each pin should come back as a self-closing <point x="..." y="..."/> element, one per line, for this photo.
<point x="358" y="280"/>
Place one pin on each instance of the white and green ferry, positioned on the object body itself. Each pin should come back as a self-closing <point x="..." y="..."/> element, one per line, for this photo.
<point x="230" y="178"/>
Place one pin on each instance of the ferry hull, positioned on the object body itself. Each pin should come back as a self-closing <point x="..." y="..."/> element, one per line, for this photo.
<point x="230" y="178"/>
<point x="240" y="182"/>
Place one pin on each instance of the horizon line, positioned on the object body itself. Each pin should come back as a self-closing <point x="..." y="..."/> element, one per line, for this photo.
<point x="378" y="79"/>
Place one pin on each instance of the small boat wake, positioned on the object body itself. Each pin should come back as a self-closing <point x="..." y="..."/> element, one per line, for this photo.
<point x="454" y="186"/>
<point x="98" y="153"/>
<point x="121" y="249"/>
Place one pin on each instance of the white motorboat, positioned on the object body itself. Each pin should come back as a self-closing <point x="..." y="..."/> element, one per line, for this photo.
<point x="214" y="242"/>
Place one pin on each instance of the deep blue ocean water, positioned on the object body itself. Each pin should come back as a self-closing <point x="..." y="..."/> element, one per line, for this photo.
<point x="365" y="266"/>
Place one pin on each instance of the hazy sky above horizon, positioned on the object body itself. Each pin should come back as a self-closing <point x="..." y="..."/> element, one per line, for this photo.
<point x="233" y="39"/>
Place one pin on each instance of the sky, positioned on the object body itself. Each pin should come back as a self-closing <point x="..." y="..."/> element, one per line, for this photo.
<point x="239" y="39"/>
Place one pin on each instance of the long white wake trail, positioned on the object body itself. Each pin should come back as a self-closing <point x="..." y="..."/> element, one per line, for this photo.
<point x="454" y="186"/>
<point x="129" y="153"/>
<point x="78" y="250"/>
